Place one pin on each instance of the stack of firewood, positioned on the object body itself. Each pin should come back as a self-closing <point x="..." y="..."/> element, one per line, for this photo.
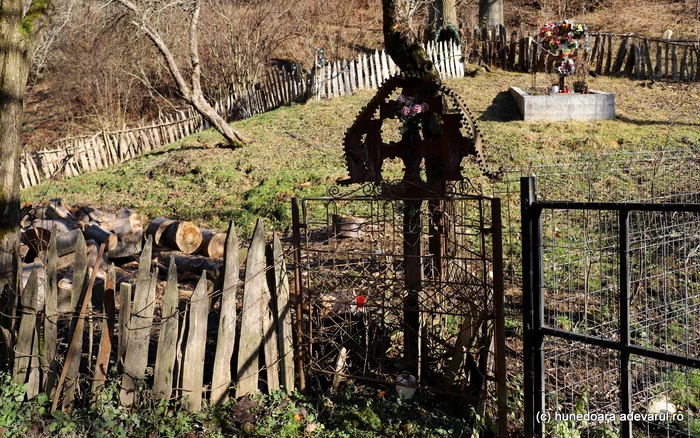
<point x="195" y="250"/>
<point x="122" y="233"/>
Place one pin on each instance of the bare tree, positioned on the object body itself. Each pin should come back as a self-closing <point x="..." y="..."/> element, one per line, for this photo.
<point x="142" y="15"/>
<point x="20" y="29"/>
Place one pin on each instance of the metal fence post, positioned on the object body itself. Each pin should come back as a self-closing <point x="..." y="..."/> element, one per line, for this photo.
<point x="296" y="242"/>
<point x="625" y="377"/>
<point x="527" y="197"/>
<point x="497" y="227"/>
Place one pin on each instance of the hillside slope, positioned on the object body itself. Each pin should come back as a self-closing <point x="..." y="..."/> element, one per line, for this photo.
<point x="298" y="151"/>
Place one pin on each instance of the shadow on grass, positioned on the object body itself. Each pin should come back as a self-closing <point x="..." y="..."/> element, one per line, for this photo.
<point x="653" y="122"/>
<point x="502" y="109"/>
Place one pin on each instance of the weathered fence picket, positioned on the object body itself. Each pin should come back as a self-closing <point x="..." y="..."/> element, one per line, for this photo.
<point x="221" y="380"/>
<point x="251" y="314"/>
<point x="138" y="329"/>
<point x="193" y="360"/>
<point x="167" y="338"/>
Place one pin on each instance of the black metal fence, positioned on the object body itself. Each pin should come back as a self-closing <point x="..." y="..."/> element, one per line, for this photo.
<point x="611" y="317"/>
<point x="360" y="258"/>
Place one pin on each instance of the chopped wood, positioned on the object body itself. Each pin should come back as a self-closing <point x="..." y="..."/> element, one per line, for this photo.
<point x="62" y="226"/>
<point x="156" y="229"/>
<point x="53" y="211"/>
<point x="212" y="243"/>
<point x="126" y="225"/>
<point x="191" y="264"/>
<point x="100" y="235"/>
<point x="183" y="236"/>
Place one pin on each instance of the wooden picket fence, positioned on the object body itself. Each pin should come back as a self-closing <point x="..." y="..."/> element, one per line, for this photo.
<point x="125" y="320"/>
<point x="77" y="155"/>
<point x="611" y="54"/>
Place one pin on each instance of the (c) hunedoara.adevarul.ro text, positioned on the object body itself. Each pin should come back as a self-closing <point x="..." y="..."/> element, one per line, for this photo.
<point x="594" y="417"/>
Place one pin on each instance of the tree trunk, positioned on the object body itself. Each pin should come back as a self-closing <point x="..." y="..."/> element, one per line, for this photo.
<point x="402" y="45"/>
<point x="442" y="14"/>
<point x="490" y="12"/>
<point x="14" y="68"/>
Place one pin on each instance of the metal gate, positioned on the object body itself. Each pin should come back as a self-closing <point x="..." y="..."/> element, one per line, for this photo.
<point x="611" y="296"/>
<point x="390" y="290"/>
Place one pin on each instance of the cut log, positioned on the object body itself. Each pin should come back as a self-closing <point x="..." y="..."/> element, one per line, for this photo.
<point x="212" y="244"/>
<point x="93" y="213"/>
<point x="156" y="229"/>
<point x="191" y="264"/>
<point x="183" y="236"/>
<point x="125" y="213"/>
<point x="128" y="245"/>
<point x="62" y="226"/>
<point x="126" y="225"/>
<point x="100" y="235"/>
<point x="55" y="212"/>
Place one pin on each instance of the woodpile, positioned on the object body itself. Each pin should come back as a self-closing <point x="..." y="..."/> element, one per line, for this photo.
<point x="194" y="250"/>
<point x="122" y="233"/>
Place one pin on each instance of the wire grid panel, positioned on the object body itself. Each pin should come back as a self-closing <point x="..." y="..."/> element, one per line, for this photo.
<point x="665" y="315"/>
<point x="648" y="176"/>
<point x="355" y="289"/>
<point x="581" y="292"/>
<point x="580" y="379"/>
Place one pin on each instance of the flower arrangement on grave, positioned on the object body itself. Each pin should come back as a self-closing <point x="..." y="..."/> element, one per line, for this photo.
<point x="409" y="111"/>
<point x="564" y="37"/>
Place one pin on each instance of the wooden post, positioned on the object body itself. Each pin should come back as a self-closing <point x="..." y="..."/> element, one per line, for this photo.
<point x="51" y="316"/>
<point x="139" y="327"/>
<point x="193" y="361"/>
<point x="658" y="70"/>
<point x="221" y="379"/>
<point x="365" y="73"/>
<point x="283" y="313"/>
<point x="621" y="55"/>
<point x="25" y="369"/>
<point x="167" y="339"/>
<point x="107" y="337"/>
<point x="269" y="329"/>
<point x="674" y="62"/>
<point x="684" y="64"/>
<point x="251" y="314"/>
<point x="124" y="312"/>
<point x="71" y="366"/>
<point x="511" y="52"/>
<point x="378" y="68"/>
<point x="385" y="66"/>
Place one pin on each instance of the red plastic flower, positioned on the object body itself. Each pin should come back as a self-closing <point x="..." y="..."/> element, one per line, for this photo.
<point x="360" y="301"/>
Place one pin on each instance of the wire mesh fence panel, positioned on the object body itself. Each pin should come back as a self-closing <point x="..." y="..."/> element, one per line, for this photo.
<point x="614" y="286"/>
<point x="359" y="257"/>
